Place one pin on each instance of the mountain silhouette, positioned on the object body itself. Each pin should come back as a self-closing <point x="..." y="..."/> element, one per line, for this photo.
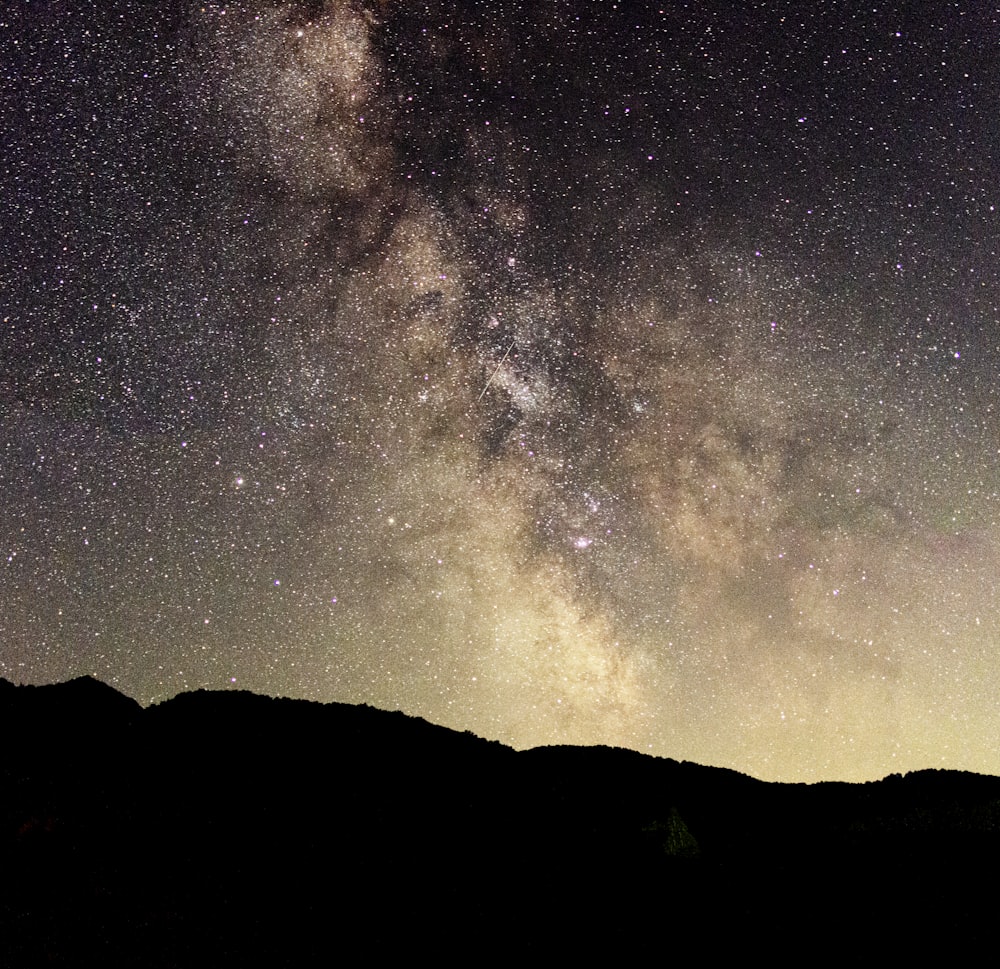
<point x="235" y="829"/>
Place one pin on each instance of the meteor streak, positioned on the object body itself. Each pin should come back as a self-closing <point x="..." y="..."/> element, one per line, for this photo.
<point x="495" y="372"/>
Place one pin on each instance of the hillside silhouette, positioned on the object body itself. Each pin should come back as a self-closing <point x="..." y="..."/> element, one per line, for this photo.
<point x="234" y="829"/>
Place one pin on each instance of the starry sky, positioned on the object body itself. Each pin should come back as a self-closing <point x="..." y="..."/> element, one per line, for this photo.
<point x="568" y="372"/>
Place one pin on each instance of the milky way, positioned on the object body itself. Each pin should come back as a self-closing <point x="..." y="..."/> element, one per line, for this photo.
<point x="561" y="372"/>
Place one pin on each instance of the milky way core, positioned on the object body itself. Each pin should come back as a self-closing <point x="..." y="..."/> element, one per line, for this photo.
<point x="563" y="372"/>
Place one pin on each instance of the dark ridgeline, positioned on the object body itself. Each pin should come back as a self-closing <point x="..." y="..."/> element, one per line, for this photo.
<point x="233" y="829"/>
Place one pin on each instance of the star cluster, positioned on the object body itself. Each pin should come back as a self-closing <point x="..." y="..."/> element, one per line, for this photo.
<point x="582" y="373"/>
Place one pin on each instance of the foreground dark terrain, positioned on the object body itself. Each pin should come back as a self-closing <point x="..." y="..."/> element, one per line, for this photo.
<point x="230" y="828"/>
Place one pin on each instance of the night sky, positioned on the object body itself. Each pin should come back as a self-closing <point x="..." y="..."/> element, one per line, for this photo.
<point x="561" y="371"/>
